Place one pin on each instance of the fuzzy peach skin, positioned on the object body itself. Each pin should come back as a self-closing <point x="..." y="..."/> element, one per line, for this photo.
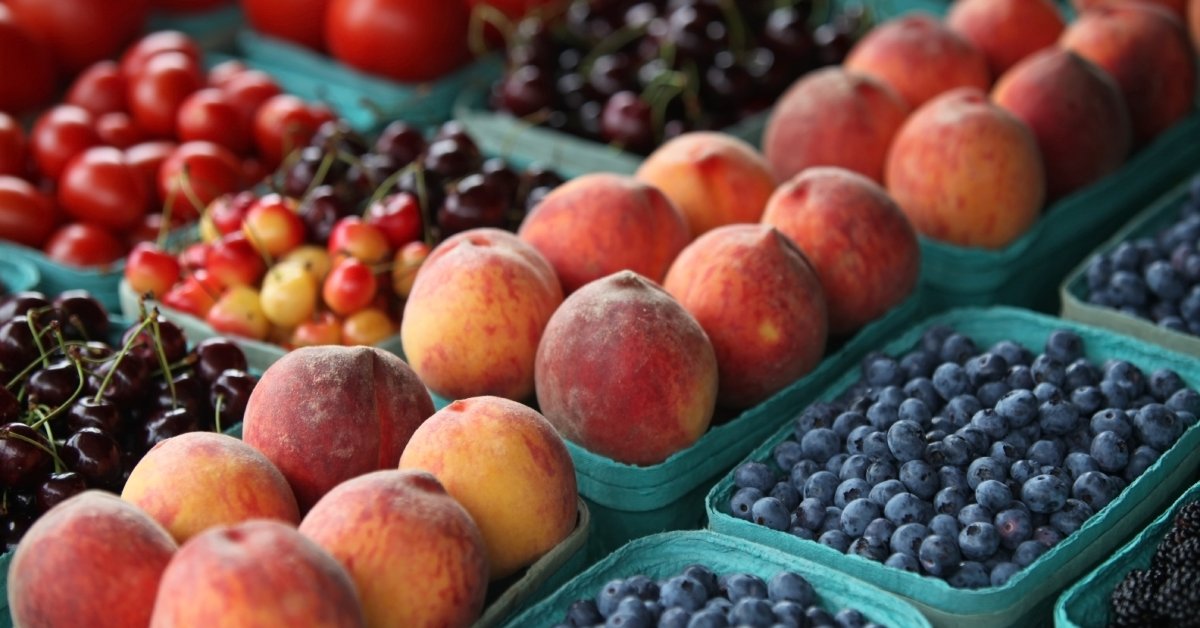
<point x="597" y="224"/>
<point x="326" y="414"/>
<point x="919" y="57"/>
<point x="714" y="178"/>
<point x="197" y="480"/>
<point x="625" y="371"/>
<point x="1064" y="99"/>
<point x="475" y="315"/>
<point x="967" y="172"/>
<point x="255" y="573"/>
<point x="761" y="304"/>
<point x="507" y="466"/>
<point x="93" y="560"/>
<point x="1006" y="31"/>
<point x="416" y="557"/>
<point x="1146" y="50"/>
<point x="861" y="244"/>
<point x="832" y="117"/>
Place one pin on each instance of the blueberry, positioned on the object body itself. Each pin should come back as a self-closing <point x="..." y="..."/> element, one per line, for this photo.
<point x="754" y="475"/>
<point x="631" y="612"/>
<point x="1027" y="552"/>
<point x="801" y="532"/>
<point x="788" y="586"/>
<point x="770" y="512"/>
<point x="1058" y="417"/>
<point x="1079" y="462"/>
<point x="950" y="380"/>
<point x="1080" y="373"/>
<point x="1023" y="470"/>
<point x="955" y="449"/>
<point x="789" y="613"/>
<point x="875" y="446"/>
<point x="856" y="440"/>
<point x="869" y="547"/>
<point x="917" y="364"/>
<point x="850" y="618"/>
<point x="1110" y="451"/>
<point x="751" y="612"/>
<point x="1128" y="288"/>
<point x="611" y="595"/>
<point x="1047" y="370"/>
<point x="881" y="370"/>
<point x="834" y="464"/>
<point x="858" y="514"/>
<point x="801" y="471"/>
<point x="914" y="411"/>
<point x="1001" y="573"/>
<point x="1157" y="426"/>
<point x="939" y="555"/>
<point x="705" y="576"/>
<point x="1115" y="396"/>
<point x="1047" y="452"/>
<point x="673" y="618"/>
<point x="1045" y="391"/>
<point x="907" y="538"/>
<point x="957" y="348"/>
<point x="944" y="525"/>
<point x="835" y="539"/>
<point x="1057" y="472"/>
<point x="708" y="618"/>
<point x="978" y="540"/>
<point x="845" y="423"/>
<point x="961" y="408"/>
<point x="991" y="392"/>
<point x="584" y="613"/>
<point x="984" y="368"/>
<point x="743" y="585"/>
<point x="982" y="469"/>
<point x="787" y="453"/>
<point x="849" y="491"/>
<point x="1064" y="346"/>
<point x="1020" y="377"/>
<point x="1142" y="458"/>
<point x="1019" y="441"/>
<point x="1071" y="516"/>
<point x="1163" y="383"/>
<point x="973" y="513"/>
<point x="905" y="508"/>
<point x="1185" y="400"/>
<point x="921" y="389"/>
<point x="880" y="528"/>
<point x="1013" y="526"/>
<point x="934" y="337"/>
<point x="814" y="416"/>
<point x="1099" y="268"/>
<point x="1126" y="375"/>
<point x="818" y="616"/>
<point x="920" y="478"/>
<point x="891" y="395"/>
<point x="832" y="520"/>
<point x="970" y="575"/>
<point x="1012" y="352"/>
<point x="884" y="491"/>
<point x="880" y="471"/>
<point x="1093" y="488"/>
<point x="854" y="466"/>
<point x="743" y="501"/>
<point x="1126" y="257"/>
<point x="882" y="414"/>
<point x="903" y="561"/>
<point x="993" y="495"/>
<point x="952" y="476"/>
<point x="1088" y="399"/>
<point x="821" y="485"/>
<point x="951" y="500"/>
<point x="1047" y="535"/>
<point x="683" y="592"/>
<point x="786" y="493"/>
<point x="1164" y="281"/>
<point x="1044" y="493"/>
<point x="719" y="603"/>
<point x="820" y="444"/>
<point x="1004" y="453"/>
<point x="991" y="423"/>
<point x="1111" y="420"/>
<point x="906" y="440"/>
<point x="643" y="587"/>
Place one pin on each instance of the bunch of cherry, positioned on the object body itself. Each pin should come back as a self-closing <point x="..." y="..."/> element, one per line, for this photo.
<point x="78" y="412"/>
<point x="411" y="186"/>
<point x="635" y="73"/>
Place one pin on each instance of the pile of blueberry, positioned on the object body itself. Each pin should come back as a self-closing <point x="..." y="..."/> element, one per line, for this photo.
<point x="1156" y="278"/>
<point x="1168" y="593"/>
<point x="699" y="598"/>
<point x="966" y="465"/>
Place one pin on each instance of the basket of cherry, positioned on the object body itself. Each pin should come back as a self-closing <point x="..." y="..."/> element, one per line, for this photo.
<point x="329" y="252"/>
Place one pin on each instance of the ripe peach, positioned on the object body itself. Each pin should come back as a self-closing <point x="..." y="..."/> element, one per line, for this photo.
<point x="1146" y="50"/>
<point x="713" y="178"/>
<point x="197" y="480"/>
<point x="508" y="467"/>
<point x="626" y="372"/>
<point x="919" y="57"/>
<point x="598" y="224"/>
<point x="1064" y="99"/>
<point x="761" y="304"/>
<point x="832" y="117"/>
<point x="93" y="560"/>
<point x="255" y="573"/>
<point x="414" y="553"/>
<point x="862" y="246"/>
<point x="1006" y="31"/>
<point x="966" y="171"/>
<point x="326" y="414"/>
<point x="473" y="320"/>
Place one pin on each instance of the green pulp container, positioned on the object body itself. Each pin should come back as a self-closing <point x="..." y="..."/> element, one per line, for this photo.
<point x="55" y="278"/>
<point x="1028" y="597"/>
<point x="17" y="275"/>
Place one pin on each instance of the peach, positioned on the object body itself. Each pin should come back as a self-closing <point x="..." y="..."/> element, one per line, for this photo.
<point x="1146" y="50"/>
<point x="919" y="57"/>
<point x="713" y="178"/>
<point x="197" y="480"/>
<point x="326" y="414"/>
<point x="508" y="467"/>
<point x="414" y="553"/>
<point x="760" y="303"/>
<point x="256" y="573"/>
<point x="1075" y="111"/>
<point x="626" y="372"/>
<point x="1006" y="31"/>
<point x="93" y="560"/>
<point x="831" y="117"/>
<point x="862" y="246"/>
<point x="1178" y="7"/>
<point x="597" y="224"/>
<point x="967" y="172"/>
<point x="473" y="320"/>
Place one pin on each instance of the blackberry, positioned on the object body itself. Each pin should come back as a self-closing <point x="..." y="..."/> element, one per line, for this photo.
<point x="1187" y="520"/>
<point x="1133" y="600"/>
<point x="1174" y="554"/>
<point x="1178" y="596"/>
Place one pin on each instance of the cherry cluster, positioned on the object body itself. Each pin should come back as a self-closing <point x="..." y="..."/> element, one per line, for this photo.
<point x="78" y="412"/>
<point x="638" y="72"/>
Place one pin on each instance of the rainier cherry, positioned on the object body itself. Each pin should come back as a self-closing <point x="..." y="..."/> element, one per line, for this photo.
<point x="360" y="240"/>
<point x="233" y="261"/>
<point x="239" y="312"/>
<point x="398" y="216"/>
<point x="289" y="294"/>
<point x="272" y="225"/>
<point x="325" y="329"/>
<point x="349" y="287"/>
<point x="367" y="327"/>
<point x="195" y="295"/>
<point x="151" y="270"/>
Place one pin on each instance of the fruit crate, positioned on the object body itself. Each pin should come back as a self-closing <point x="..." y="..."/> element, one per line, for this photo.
<point x="1074" y="290"/>
<point x="1028" y="597"/>
<point x="1086" y="603"/>
<point x="17" y="275"/>
<point x="55" y="278"/>
<point x="629" y="501"/>
<point x="215" y="29"/>
<point x="366" y="101"/>
<point x="663" y="555"/>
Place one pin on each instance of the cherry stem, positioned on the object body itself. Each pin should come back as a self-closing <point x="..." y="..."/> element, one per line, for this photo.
<point x="45" y="420"/>
<point x="120" y="356"/>
<point x="217" y="410"/>
<point x="482" y="16"/>
<point x="322" y="172"/>
<point x="58" y="463"/>
<point x="737" y="26"/>
<point x="617" y="40"/>
<point x="162" y="358"/>
<point x="30" y="320"/>
<point x="185" y="184"/>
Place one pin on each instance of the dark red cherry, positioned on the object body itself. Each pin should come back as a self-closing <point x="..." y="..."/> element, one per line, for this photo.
<point x="232" y="388"/>
<point x="58" y="488"/>
<point x="82" y="316"/>
<point x="24" y="456"/>
<point x="216" y="355"/>
<point x="95" y="456"/>
<point x="89" y="412"/>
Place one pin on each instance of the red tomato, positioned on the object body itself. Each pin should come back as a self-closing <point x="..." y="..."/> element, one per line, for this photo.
<point x="282" y="124"/>
<point x="209" y="115"/>
<point x="13" y="158"/>
<point x="423" y="39"/>
<point x="211" y="171"/>
<point x="99" y="89"/>
<point x="249" y="90"/>
<point x="117" y="129"/>
<point x="101" y="188"/>
<point x="299" y="21"/>
<point x="81" y="32"/>
<point x="27" y="68"/>
<point x="133" y="62"/>
<point x="84" y="245"/>
<point x="221" y="73"/>
<point x="58" y="135"/>
<point x="26" y="215"/>
<point x="156" y="94"/>
<point x="147" y="158"/>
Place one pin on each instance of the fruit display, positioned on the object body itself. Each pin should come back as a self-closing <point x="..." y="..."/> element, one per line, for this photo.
<point x="635" y="74"/>
<point x="697" y="596"/>
<point x="962" y="464"/>
<point x="80" y="412"/>
<point x="1166" y="592"/>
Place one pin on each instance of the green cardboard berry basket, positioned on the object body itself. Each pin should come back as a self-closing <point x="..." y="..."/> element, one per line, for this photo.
<point x="17" y="275"/>
<point x="1074" y="290"/>
<point x="1027" y="598"/>
<point x="1086" y="603"/>
<point x="55" y="278"/>
<point x="214" y="30"/>
<point x="366" y="101"/>
<point x="629" y="501"/>
<point x="664" y="555"/>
